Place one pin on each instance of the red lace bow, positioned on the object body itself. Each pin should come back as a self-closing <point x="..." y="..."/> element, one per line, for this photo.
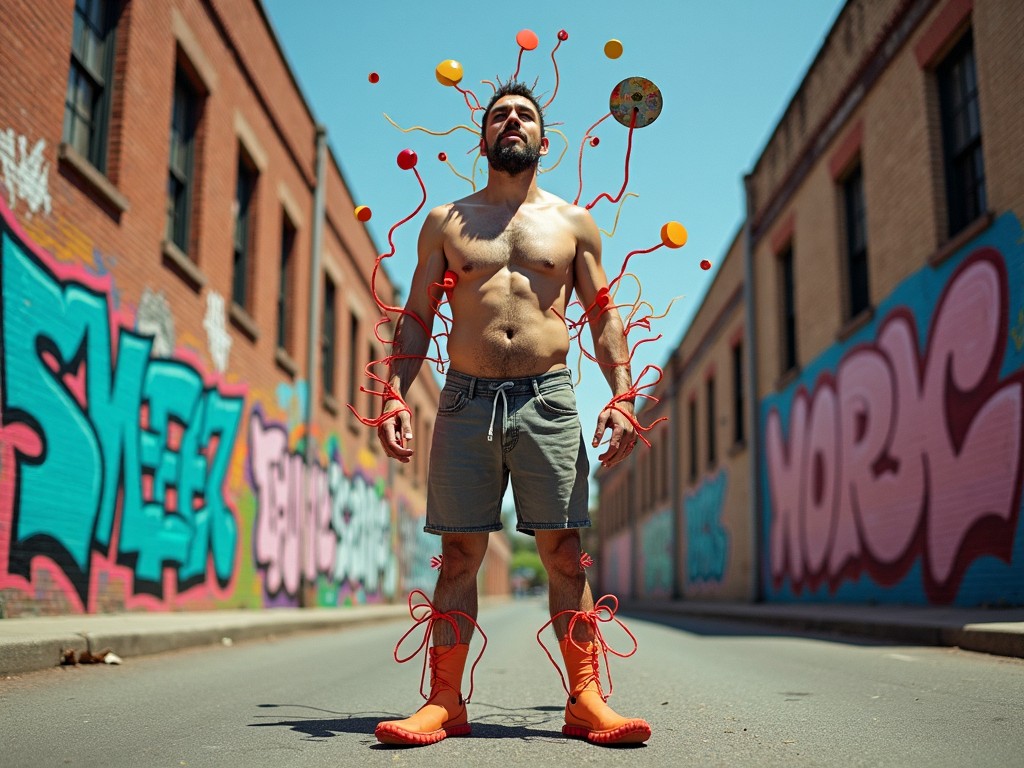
<point x="603" y="612"/>
<point x="425" y="613"/>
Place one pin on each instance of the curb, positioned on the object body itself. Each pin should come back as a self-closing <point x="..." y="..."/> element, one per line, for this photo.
<point x="907" y="625"/>
<point x="33" y="644"/>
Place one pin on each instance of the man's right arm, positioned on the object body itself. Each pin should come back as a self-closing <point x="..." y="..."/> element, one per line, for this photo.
<point x="413" y="333"/>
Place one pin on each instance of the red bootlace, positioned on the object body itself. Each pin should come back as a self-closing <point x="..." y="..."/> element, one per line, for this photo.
<point x="604" y="611"/>
<point x="425" y="613"/>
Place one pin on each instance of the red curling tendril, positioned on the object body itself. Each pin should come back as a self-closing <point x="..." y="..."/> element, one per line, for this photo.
<point x="625" y="181"/>
<point x="425" y="613"/>
<point x="603" y="612"/>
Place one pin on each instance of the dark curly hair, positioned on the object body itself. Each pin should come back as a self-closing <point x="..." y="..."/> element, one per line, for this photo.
<point x="512" y="88"/>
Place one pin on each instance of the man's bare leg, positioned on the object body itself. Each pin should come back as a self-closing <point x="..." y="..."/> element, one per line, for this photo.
<point x="445" y="714"/>
<point x="587" y="716"/>
<point x="568" y="589"/>
<point x="463" y="554"/>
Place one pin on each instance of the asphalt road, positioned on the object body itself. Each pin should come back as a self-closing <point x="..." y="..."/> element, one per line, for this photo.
<point x="714" y="693"/>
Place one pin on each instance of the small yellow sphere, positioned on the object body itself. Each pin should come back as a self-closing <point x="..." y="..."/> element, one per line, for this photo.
<point x="613" y="49"/>
<point x="363" y="212"/>
<point x="673" y="234"/>
<point x="448" y="72"/>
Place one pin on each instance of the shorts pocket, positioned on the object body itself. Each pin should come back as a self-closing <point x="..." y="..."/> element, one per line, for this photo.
<point x="561" y="401"/>
<point x="452" y="401"/>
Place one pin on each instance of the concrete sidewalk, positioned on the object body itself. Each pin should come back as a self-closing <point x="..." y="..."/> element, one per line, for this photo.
<point x="35" y="643"/>
<point x="987" y="630"/>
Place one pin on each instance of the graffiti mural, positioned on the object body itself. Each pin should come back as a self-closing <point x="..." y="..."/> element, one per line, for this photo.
<point x="656" y="554"/>
<point x="707" y="541"/>
<point x="893" y="467"/>
<point x="24" y="172"/>
<point x="617" y="564"/>
<point x="113" y="462"/>
<point x="317" y="522"/>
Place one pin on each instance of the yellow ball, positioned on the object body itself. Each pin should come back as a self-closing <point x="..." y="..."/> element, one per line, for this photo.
<point x="613" y="49"/>
<point x="363" y="212"/>
<point x="448" y="72"/>
<point x="673" y="234"/>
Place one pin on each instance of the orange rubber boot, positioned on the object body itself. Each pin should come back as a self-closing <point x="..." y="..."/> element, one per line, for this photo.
<point x="444" y="714"/>
<point x="587" y="716"/>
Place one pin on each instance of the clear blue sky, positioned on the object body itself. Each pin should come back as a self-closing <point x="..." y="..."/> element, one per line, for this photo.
<point x="726" y="69"/>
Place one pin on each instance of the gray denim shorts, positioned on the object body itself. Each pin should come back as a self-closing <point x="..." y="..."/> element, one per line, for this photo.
<point x="488" y="430"/>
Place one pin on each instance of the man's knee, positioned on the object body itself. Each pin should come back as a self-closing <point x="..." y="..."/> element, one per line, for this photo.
<point x="560" y="551"/>
<point x="463" y="553"/>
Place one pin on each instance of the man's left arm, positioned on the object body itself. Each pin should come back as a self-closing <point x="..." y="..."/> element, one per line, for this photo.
<point x="610" y="346"/>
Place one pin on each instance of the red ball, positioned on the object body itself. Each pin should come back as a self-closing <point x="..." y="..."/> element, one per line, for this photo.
<point x="563" y="35"/>
<point x="407" y="159"/>
<point x="374" y="77"/>
<point x="595" y="141"/>
<point x="442" y="156"/>
<point x="705" y="265"/>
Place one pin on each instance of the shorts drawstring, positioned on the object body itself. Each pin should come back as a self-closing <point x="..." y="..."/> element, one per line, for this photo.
<point x="494" y="409"/>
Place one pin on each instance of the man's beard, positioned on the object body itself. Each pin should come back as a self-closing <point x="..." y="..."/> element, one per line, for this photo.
<point x="513" y="159"/>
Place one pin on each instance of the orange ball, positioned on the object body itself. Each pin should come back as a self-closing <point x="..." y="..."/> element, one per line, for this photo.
<point x="673" y="234"/>
<point x="527" y="39"/>
<point x="448" y="72"/>
<point x="613" y="49"/>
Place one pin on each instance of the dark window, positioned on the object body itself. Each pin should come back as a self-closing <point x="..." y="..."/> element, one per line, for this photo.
<point x="712" y="443"/>
<point x="181" y="176"/>
<point x="961" y="135"/>
<point x="788" y="314"/>
<point x="327" y="337"/>
<point x="856" y="243"/>
<point x="285" y="284"/>
<point x="245" y="193"/>
<point x="693" y="441"/>
<point x="353" y="365"/>
<point x="738" y="426"/>
<point x="90" y="79"/>
<point x="665" y="456"/>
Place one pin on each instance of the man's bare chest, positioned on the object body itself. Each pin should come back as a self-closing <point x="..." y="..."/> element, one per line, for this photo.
<point x="534" y="247"/>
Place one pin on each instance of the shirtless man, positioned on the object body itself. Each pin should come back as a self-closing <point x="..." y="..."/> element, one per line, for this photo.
<point x="508" y="410"/>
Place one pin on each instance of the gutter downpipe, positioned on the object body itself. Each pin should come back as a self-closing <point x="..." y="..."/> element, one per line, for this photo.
<point x="750" y="304"/>
<point x="678" y="529"/>
<point x="313" y="334"/>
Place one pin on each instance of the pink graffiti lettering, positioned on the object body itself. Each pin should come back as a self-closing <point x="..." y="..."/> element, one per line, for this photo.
<point x="901" y="456"/>
<point x="292" y="536"/>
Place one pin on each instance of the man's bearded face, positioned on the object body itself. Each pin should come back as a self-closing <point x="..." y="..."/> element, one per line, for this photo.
<point x="513" y="157"/>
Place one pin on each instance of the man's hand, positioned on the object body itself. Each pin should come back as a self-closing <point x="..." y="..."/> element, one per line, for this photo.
<point x="623" y="438"/>
<point x="395" y="433"/>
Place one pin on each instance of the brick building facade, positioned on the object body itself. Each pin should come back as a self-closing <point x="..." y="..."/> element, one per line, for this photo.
<point x="849" y="402"/>
<point x="186" y="312"/>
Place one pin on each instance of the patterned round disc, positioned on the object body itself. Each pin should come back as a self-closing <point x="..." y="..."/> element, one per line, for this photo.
<point x="639" y="95"/>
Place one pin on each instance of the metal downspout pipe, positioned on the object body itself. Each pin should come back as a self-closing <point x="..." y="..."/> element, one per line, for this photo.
<point x="753" y="437"/>
<point x="312" y="346"/>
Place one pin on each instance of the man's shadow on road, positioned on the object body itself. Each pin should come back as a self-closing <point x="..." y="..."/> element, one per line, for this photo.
<point x="524" y="723"/>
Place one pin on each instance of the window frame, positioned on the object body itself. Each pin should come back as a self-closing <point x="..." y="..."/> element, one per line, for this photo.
<point x="283" y="305"/>
<point x="788" y="350"/>
<point x="328" y="337"/>
<point x="189" y="94"/>
<point x="966" y="192"/>
<point x="98" y="76"/>
<point x="244" y="235"/>
<point x="857" y="296"/>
